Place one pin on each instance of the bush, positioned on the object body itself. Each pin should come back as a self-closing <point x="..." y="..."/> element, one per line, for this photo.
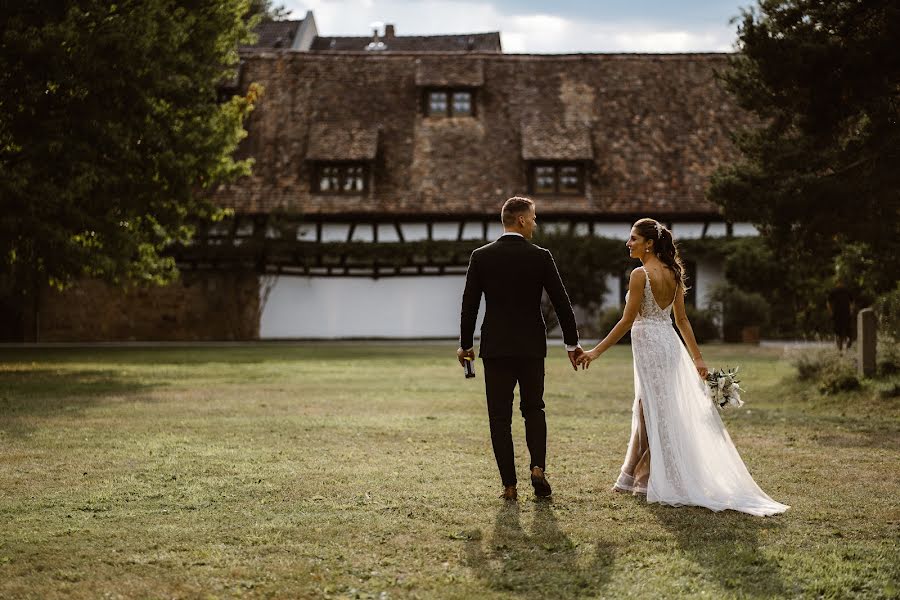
<point x="887" y="309"/>
<point x="892" y="390"/>
<point x="888" y="356"/>
<point x="738" y="309"/>
<point x="608" y="319"/>
<point x="810" y="363"/>
<point x="835" y="372"/>
<point x="703" y="322"/>
<point x="842" y="379"/>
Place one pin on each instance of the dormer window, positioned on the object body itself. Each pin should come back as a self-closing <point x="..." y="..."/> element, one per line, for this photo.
<point x="561" y="178"/>
<point x="341" y="178"/>
<point x="449" y="103"/>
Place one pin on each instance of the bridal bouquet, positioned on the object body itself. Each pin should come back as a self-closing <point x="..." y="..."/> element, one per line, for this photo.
<point x="723" y="387"/>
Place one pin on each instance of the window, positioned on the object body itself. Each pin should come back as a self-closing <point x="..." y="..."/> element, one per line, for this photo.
<point x="449" y="103"/>
<point x="340" y="178"/>
<point x="558" y="178"/>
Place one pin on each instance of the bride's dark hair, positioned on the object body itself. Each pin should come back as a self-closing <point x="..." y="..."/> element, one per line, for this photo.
<point x="663" y="247"/>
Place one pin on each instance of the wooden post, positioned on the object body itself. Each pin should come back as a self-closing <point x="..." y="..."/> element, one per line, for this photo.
<point x="866" y="342"/>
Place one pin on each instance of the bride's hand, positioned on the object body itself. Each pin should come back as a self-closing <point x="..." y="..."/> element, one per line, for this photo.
<point x="701" y="368"/>
<point x="587" y="358"/>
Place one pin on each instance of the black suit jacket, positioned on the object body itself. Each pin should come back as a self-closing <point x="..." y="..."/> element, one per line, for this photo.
<point x="512" y="273"/>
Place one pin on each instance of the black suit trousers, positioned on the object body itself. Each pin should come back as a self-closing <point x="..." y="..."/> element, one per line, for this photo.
<point x="500" y="378"/>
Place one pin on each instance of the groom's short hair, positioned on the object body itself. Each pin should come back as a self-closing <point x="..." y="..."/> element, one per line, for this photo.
<point x="512" y="208"/>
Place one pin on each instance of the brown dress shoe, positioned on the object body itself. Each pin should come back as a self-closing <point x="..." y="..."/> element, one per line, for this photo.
<point x="539" y="481"/>
<point x="510" y="493"/>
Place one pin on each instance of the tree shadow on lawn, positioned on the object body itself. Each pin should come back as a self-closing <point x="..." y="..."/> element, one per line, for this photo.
<point x="726" y="545"/>
<point x="41" y="393"/>
<point x="543" y="564"/>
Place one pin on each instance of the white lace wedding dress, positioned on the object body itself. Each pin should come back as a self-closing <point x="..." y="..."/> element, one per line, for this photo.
<point x="679" y="452"/>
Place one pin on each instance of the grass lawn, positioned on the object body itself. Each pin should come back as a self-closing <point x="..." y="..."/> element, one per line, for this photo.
<point x="363" y="470"/>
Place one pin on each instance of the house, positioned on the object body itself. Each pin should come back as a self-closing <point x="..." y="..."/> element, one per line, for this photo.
<point x="381" y="161"/>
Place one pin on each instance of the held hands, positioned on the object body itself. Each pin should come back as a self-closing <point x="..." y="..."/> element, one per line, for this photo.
<point x="587" y="358"/>
<point x="462" y="354"/>
<point x="574" y="355"/>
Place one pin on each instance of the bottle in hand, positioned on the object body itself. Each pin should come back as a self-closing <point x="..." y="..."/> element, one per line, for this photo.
<point x="469" y="367"/>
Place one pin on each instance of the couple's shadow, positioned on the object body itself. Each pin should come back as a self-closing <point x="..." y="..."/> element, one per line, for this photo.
<point x="544" y="563"/>
<point x="725" y="546"/>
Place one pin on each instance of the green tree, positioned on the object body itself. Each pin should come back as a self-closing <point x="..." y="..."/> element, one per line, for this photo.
<point x="584" y="262"/>
<point x="820" y="165"/>
<point x="112" y="135"/>
<point x="268" y="10"/>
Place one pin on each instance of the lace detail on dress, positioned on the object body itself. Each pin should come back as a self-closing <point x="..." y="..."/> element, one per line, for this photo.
<point x="650" y="310"/>
<point x="692" y="458"/>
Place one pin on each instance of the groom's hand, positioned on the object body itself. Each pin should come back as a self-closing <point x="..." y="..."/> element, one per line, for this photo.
<point x="462" y="354"/>
<point x="573" y="357"/>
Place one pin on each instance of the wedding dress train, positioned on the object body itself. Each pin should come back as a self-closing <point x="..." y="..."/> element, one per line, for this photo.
<point x="679" y="452"/>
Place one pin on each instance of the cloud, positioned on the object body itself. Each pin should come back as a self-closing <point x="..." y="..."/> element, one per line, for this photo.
<point x="536" y="32"/>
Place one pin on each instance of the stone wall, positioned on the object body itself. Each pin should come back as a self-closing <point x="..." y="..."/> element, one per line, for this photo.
<point x="200" y="306"/>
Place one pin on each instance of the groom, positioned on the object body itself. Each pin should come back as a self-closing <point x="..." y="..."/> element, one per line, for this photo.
<point x="512" y="274"/>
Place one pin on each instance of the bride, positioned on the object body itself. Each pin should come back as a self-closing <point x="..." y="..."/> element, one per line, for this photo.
<point x="679" y="452"/>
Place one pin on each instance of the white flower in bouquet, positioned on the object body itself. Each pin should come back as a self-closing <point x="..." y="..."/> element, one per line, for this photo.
<point x="724" y="388"/>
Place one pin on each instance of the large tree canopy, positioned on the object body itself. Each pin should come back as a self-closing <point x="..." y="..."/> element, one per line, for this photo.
<point x="112" y="133"/>
<point x="821" y="169"/>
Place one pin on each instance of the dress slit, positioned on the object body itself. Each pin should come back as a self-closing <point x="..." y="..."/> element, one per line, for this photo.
<point x="635" y="471"/>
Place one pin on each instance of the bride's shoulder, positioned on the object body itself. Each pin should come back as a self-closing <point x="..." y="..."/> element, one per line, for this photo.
<point x="638" y="276"/>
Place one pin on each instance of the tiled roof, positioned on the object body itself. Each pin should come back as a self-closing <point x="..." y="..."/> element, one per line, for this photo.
<point x="275" y="34"/>
<point x="650" y="130"/>
<point x="342" y="141"/>
<point x="437" y="71"/>
<point x="467" y="42"/>
<point x="545" y="139"/>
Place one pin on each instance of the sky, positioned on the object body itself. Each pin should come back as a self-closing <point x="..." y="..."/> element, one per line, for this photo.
<point x="531" y="26"/>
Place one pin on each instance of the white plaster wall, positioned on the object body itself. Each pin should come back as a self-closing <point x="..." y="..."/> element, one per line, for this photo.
<point x="616" y="231"/>
<point x="708" y="275"/>
<point x="387" y="232"/>
<point x="414" y="232"/>
<point x="335" y="232"/>
<point x="687" y="231"/>
<point x="716" y="230"/>
<point x="495" y="230"/>
<point x="615" y="295"/>
<point x="306" y="232"/>
<point x="744" y="230"/>
<point x="472" y="230"/>
<point x="344" y="307"/>
<point x="363" y="232"/>
<point x="445" y="231"/>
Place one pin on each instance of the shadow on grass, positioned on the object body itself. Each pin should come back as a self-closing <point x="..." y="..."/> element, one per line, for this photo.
<point x="726" y="545"/>
<point x="542" y="564"/>
<point x="40" y="393"/>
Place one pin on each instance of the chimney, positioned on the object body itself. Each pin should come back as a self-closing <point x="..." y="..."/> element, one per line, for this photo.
<point x="375" y="44"/>
<point x="389" y="31"/>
